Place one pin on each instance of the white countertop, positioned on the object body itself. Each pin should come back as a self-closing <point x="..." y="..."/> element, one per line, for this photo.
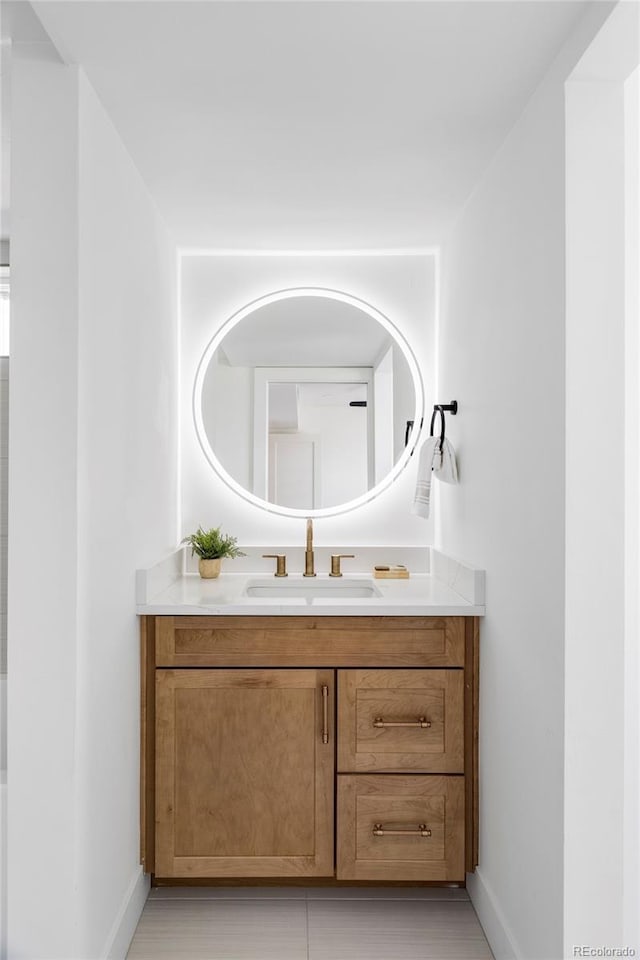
<point x="423" y="594"/>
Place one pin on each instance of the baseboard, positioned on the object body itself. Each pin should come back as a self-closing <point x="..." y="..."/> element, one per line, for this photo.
<point x="124" y="926"/>
<point x="501" y="940"/>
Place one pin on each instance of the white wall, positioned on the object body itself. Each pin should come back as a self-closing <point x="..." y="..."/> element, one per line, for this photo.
<point x="42" y="621"/>
<point x="595" y="549"/>
<point x="4" y="506"/>
<point x="601" y="661"/>
<point x="502" y="357"/>
<point x="213" y="288"/>
<point x="227" y="398"/>
<point x="92" y="468"/>
<point x="631" y="918"/>
<point x="127" y="497"/>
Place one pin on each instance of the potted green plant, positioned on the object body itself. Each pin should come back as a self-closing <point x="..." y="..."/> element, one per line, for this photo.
<point x="212" y="546"/>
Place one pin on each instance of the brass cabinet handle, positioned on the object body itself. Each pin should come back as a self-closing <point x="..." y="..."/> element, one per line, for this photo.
<point x="420" y="722"/>
<point x="422" y="831"/>
<point x="325" y="713"/>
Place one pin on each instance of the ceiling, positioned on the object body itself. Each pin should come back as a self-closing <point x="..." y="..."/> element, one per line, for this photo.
<point x="293" y="125"/>
<point x="306" y="332"/>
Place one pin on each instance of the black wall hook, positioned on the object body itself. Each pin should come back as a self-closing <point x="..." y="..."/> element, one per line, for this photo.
<point x="409" y="430"/>
<point x="442" y="408"/>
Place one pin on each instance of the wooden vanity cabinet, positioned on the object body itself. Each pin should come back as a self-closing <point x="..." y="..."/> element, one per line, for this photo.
<point x="254" y="727"/>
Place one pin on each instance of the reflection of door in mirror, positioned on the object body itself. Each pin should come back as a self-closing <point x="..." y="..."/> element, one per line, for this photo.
<point x="313" y="435"/>
<point x="294" y="470"/>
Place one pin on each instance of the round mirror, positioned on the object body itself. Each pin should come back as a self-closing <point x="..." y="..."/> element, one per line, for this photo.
<point x="305" y="402"/>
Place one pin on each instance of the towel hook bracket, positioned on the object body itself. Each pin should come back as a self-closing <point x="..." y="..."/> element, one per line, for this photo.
<point x="441" y="408"/>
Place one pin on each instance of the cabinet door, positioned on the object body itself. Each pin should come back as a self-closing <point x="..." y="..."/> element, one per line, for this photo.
<point x="244" y="773"/>
<point x="401" y="720"/>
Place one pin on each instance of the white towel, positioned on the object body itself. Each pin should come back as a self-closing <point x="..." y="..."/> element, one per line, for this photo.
<point x="446" y="468"/>
<point x="429" y="455"/>
<point x="432" y="460"/>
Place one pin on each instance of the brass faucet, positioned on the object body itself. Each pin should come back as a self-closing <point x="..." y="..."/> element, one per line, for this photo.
<point x="281" y="563"/>
<point x="308" y="554"/>
<point x="335" y="562"/>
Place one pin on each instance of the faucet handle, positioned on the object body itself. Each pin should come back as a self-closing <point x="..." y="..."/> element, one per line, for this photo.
<point x="281" y="563"/>
<point x="335" y="562"/>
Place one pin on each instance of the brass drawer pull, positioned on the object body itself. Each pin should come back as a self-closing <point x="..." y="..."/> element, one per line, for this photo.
<point x="420" y="722"/>
<point x="325" y="713"/>
<point x="422" y="831"/>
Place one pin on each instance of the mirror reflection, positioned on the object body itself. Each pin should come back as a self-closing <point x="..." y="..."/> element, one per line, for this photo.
<point x="305" y="401"/>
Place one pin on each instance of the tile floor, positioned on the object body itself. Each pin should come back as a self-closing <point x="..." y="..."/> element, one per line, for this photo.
<point x="287" y="923"/>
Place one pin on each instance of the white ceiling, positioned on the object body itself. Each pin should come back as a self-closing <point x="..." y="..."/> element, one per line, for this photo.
<point x="306" y="332"/>
<point x="311" y="124"/>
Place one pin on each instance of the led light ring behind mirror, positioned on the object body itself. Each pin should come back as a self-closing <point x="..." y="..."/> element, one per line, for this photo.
<point x="216" y="341"/>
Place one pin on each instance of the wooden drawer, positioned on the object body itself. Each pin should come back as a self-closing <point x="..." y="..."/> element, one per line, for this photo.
<point x="426" y="814"/>
<point x="310" y="641"/>
<point x="401" y="721"/>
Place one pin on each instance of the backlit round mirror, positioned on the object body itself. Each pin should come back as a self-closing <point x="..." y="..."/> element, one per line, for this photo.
<point x="305" y="402"/>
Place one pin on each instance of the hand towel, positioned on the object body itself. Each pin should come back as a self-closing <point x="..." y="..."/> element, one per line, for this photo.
<point x="432" y="460"/>
<point x="445" y="467"/>
<point x="429" y="455"/>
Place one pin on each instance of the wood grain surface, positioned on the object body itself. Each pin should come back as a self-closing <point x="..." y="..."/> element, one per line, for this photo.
<point x="244" y="784"/>
<point x="401" y="695"/>
<point x="400" y="802"/>
<point x="310" y="641"/>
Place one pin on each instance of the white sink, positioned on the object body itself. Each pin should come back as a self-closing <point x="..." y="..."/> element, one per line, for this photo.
<point x="311" y="588"/>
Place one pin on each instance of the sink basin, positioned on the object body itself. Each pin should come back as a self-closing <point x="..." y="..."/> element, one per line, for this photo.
<point x="311" y="588"/>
